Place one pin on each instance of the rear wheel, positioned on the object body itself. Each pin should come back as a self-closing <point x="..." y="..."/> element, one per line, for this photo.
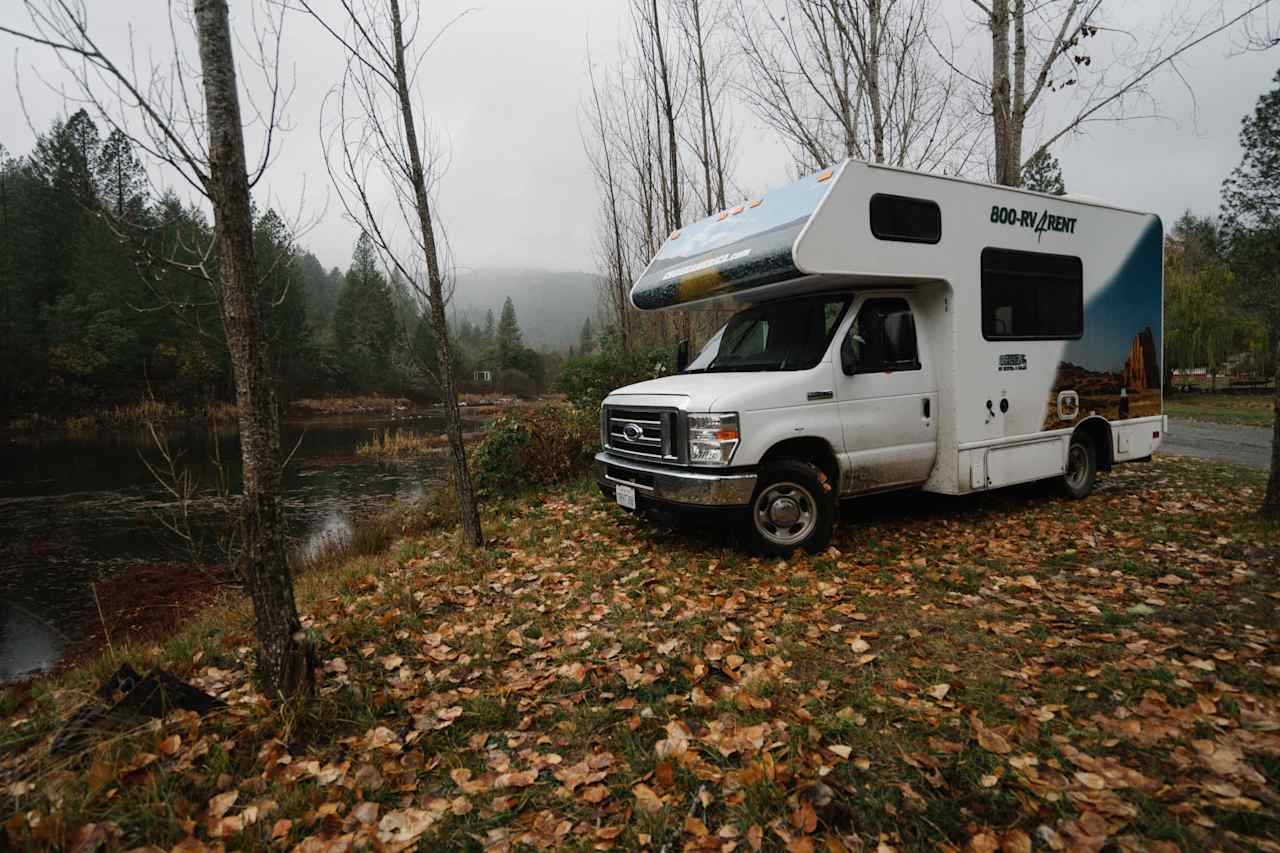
<point x="794" y="507"/>
<point x="1082" y="468"/>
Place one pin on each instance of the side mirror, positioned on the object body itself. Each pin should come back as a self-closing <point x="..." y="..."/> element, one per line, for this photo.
<point x="682" y="355"/>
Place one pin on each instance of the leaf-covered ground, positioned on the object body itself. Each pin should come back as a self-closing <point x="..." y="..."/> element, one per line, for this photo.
<point x="1010" y="672"/>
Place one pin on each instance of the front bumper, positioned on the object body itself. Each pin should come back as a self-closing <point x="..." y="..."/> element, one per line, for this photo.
<point x="675" y="485"/>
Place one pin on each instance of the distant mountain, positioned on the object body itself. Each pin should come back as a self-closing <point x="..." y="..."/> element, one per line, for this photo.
<point x="550" y="304"/>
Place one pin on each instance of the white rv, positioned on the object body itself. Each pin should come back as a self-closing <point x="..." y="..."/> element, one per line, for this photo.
<point x="897" y="330"/>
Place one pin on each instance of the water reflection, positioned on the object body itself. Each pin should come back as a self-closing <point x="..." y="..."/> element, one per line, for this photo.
<point x="27" y="643"/>
<point x="74" y="510"/>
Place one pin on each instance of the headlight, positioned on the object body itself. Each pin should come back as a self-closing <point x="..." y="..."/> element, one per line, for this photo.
<point x="712" y="438"/>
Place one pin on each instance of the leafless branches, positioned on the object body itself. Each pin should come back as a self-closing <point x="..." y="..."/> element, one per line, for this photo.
<point x="853" y="78"/>
<point x="373" y="143"/>
<point x="1055" y="47"/>
<point x="200" y="135"/>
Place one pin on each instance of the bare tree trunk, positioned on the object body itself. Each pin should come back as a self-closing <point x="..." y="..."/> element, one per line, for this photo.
<point x="704" y="106"/>
<point x="286" y="660"/>
<point x="871" y="73"/>
<point x="668" y="111"/>
<point x="1271" y="500"/>
<point x="1002" y="94"/>
<point x="467" y="511"/>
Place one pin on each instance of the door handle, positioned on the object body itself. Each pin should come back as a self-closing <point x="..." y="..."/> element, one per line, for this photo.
<point x="926" y="407"/>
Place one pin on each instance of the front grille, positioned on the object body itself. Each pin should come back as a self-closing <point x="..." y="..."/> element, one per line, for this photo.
<point x="643" y="433"/>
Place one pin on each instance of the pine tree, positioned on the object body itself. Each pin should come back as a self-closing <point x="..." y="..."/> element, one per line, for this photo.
<point x="1251" y="222"/>
<point x="1043" y="174"/>
<point x="364" y="319"/>
<point x="487" y="338"/>
<point x="584" y="338"/>
<point x="120" y="179"/>
<point x="510" y="341"/>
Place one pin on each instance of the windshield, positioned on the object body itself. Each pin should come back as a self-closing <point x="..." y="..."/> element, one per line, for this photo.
<point x="790" y="335"/>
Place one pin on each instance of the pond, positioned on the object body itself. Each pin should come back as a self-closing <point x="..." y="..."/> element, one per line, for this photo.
<point x="77" y="509"/>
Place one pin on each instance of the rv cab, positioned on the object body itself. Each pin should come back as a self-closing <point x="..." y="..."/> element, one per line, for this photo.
<point x="893" y="330"/>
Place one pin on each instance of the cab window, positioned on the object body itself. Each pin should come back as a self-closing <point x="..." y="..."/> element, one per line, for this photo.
<point x="882" y="339"/>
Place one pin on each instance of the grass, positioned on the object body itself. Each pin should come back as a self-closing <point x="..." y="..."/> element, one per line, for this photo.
<point x="1239" y="409"/>
<point x="129" y="416"/>
<point x="397" y="443"/>
<point x="952" y="671"/>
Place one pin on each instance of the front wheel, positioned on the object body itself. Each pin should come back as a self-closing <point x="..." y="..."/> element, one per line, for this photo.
<point x="794" y="507"/>
<point x="1082" y="468"/>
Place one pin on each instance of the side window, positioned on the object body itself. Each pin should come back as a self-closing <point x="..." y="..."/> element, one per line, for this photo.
<point x="882" y="339"/>
<point x="1028" y="296"/>
<point x="905" y="220"/>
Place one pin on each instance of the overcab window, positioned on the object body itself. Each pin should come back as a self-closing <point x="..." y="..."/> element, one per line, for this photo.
<point x="905" y="220"/>
<point x="1030" y="296"/>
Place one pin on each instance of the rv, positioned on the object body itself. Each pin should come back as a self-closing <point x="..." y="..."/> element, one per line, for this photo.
<point x="895" y="330"/>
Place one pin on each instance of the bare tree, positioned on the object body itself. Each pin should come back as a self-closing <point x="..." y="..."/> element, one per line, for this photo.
<point x="376" y="129"/>
<point x="600" y="152"/>
<point x="1050" y="46"/>
<point x="164" y="118"/>
<point x="854" y="78"/>
<point x="707" y="61"/>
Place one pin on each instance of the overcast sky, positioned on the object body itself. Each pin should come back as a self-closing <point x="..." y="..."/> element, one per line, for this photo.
<point x="503" y="90"/>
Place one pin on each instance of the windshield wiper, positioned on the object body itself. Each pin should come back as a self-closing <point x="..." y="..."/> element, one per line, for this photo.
<point x="758" y="367"/>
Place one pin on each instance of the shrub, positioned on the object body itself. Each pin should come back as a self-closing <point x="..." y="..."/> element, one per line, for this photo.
<point x="517" y="383"/>
<point x="588" y="379"/>
<point x="536" y="447"/>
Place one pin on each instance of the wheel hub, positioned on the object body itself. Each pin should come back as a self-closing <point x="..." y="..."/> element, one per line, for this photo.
<point x="784" y="512"/>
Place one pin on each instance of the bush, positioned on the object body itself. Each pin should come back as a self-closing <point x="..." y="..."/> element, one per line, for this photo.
<point x="517" y="383"/>
<point x="588" y="379"/>
<point x="537" y="447"/>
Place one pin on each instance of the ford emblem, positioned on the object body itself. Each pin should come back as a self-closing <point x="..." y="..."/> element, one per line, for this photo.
<point x="633" y="432"/>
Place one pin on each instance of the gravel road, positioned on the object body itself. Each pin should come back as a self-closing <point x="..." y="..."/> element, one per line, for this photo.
<point x="1239" y="445"/>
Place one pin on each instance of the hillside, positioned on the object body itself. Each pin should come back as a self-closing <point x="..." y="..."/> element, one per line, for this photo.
<point x="550" y="304"/>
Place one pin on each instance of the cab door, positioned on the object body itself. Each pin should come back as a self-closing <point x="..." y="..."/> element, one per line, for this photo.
<point x="887" y="397"/>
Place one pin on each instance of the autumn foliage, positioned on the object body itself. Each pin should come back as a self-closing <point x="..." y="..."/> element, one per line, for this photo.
<point x="1011" y="672"/>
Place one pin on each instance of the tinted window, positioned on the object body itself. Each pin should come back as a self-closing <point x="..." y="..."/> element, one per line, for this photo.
<point x="906" y="220"/>
<point x="1031" y="296"/>
<point x="882" y="338"/>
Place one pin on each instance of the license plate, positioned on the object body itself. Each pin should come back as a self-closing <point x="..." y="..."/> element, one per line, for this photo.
<point x="626" y="496"/>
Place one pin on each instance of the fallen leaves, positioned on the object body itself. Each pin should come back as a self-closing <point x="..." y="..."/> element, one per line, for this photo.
<point x="401" y="828"/>
<point x="580" y="688"/>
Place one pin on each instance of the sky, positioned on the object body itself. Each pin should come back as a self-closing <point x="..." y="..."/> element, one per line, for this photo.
<point x="503" y="87"/>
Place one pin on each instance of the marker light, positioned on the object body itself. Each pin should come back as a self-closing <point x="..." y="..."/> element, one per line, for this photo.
<point x="825" y="176"/>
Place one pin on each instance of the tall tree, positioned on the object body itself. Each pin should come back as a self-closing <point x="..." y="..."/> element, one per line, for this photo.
<point x="375" y="129"/>
<point x="218" y="167"/>
<point x="1043" y="174"/>
<point x="1251" y="219"/>
<point x="509" y="339"/>
<point x="1047" y="46"/>
<point x="488" y="331"/>
<point x="585" y="338"/>
<point x="364" y="319"/>
<point x="1205" y="325"/>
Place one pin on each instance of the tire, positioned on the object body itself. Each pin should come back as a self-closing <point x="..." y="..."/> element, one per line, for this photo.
<point x="1082" y="468"/>
<point x="794" y="506"/>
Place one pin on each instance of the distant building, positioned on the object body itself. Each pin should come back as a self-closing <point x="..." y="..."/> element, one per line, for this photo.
<point x="485" y="376"/>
